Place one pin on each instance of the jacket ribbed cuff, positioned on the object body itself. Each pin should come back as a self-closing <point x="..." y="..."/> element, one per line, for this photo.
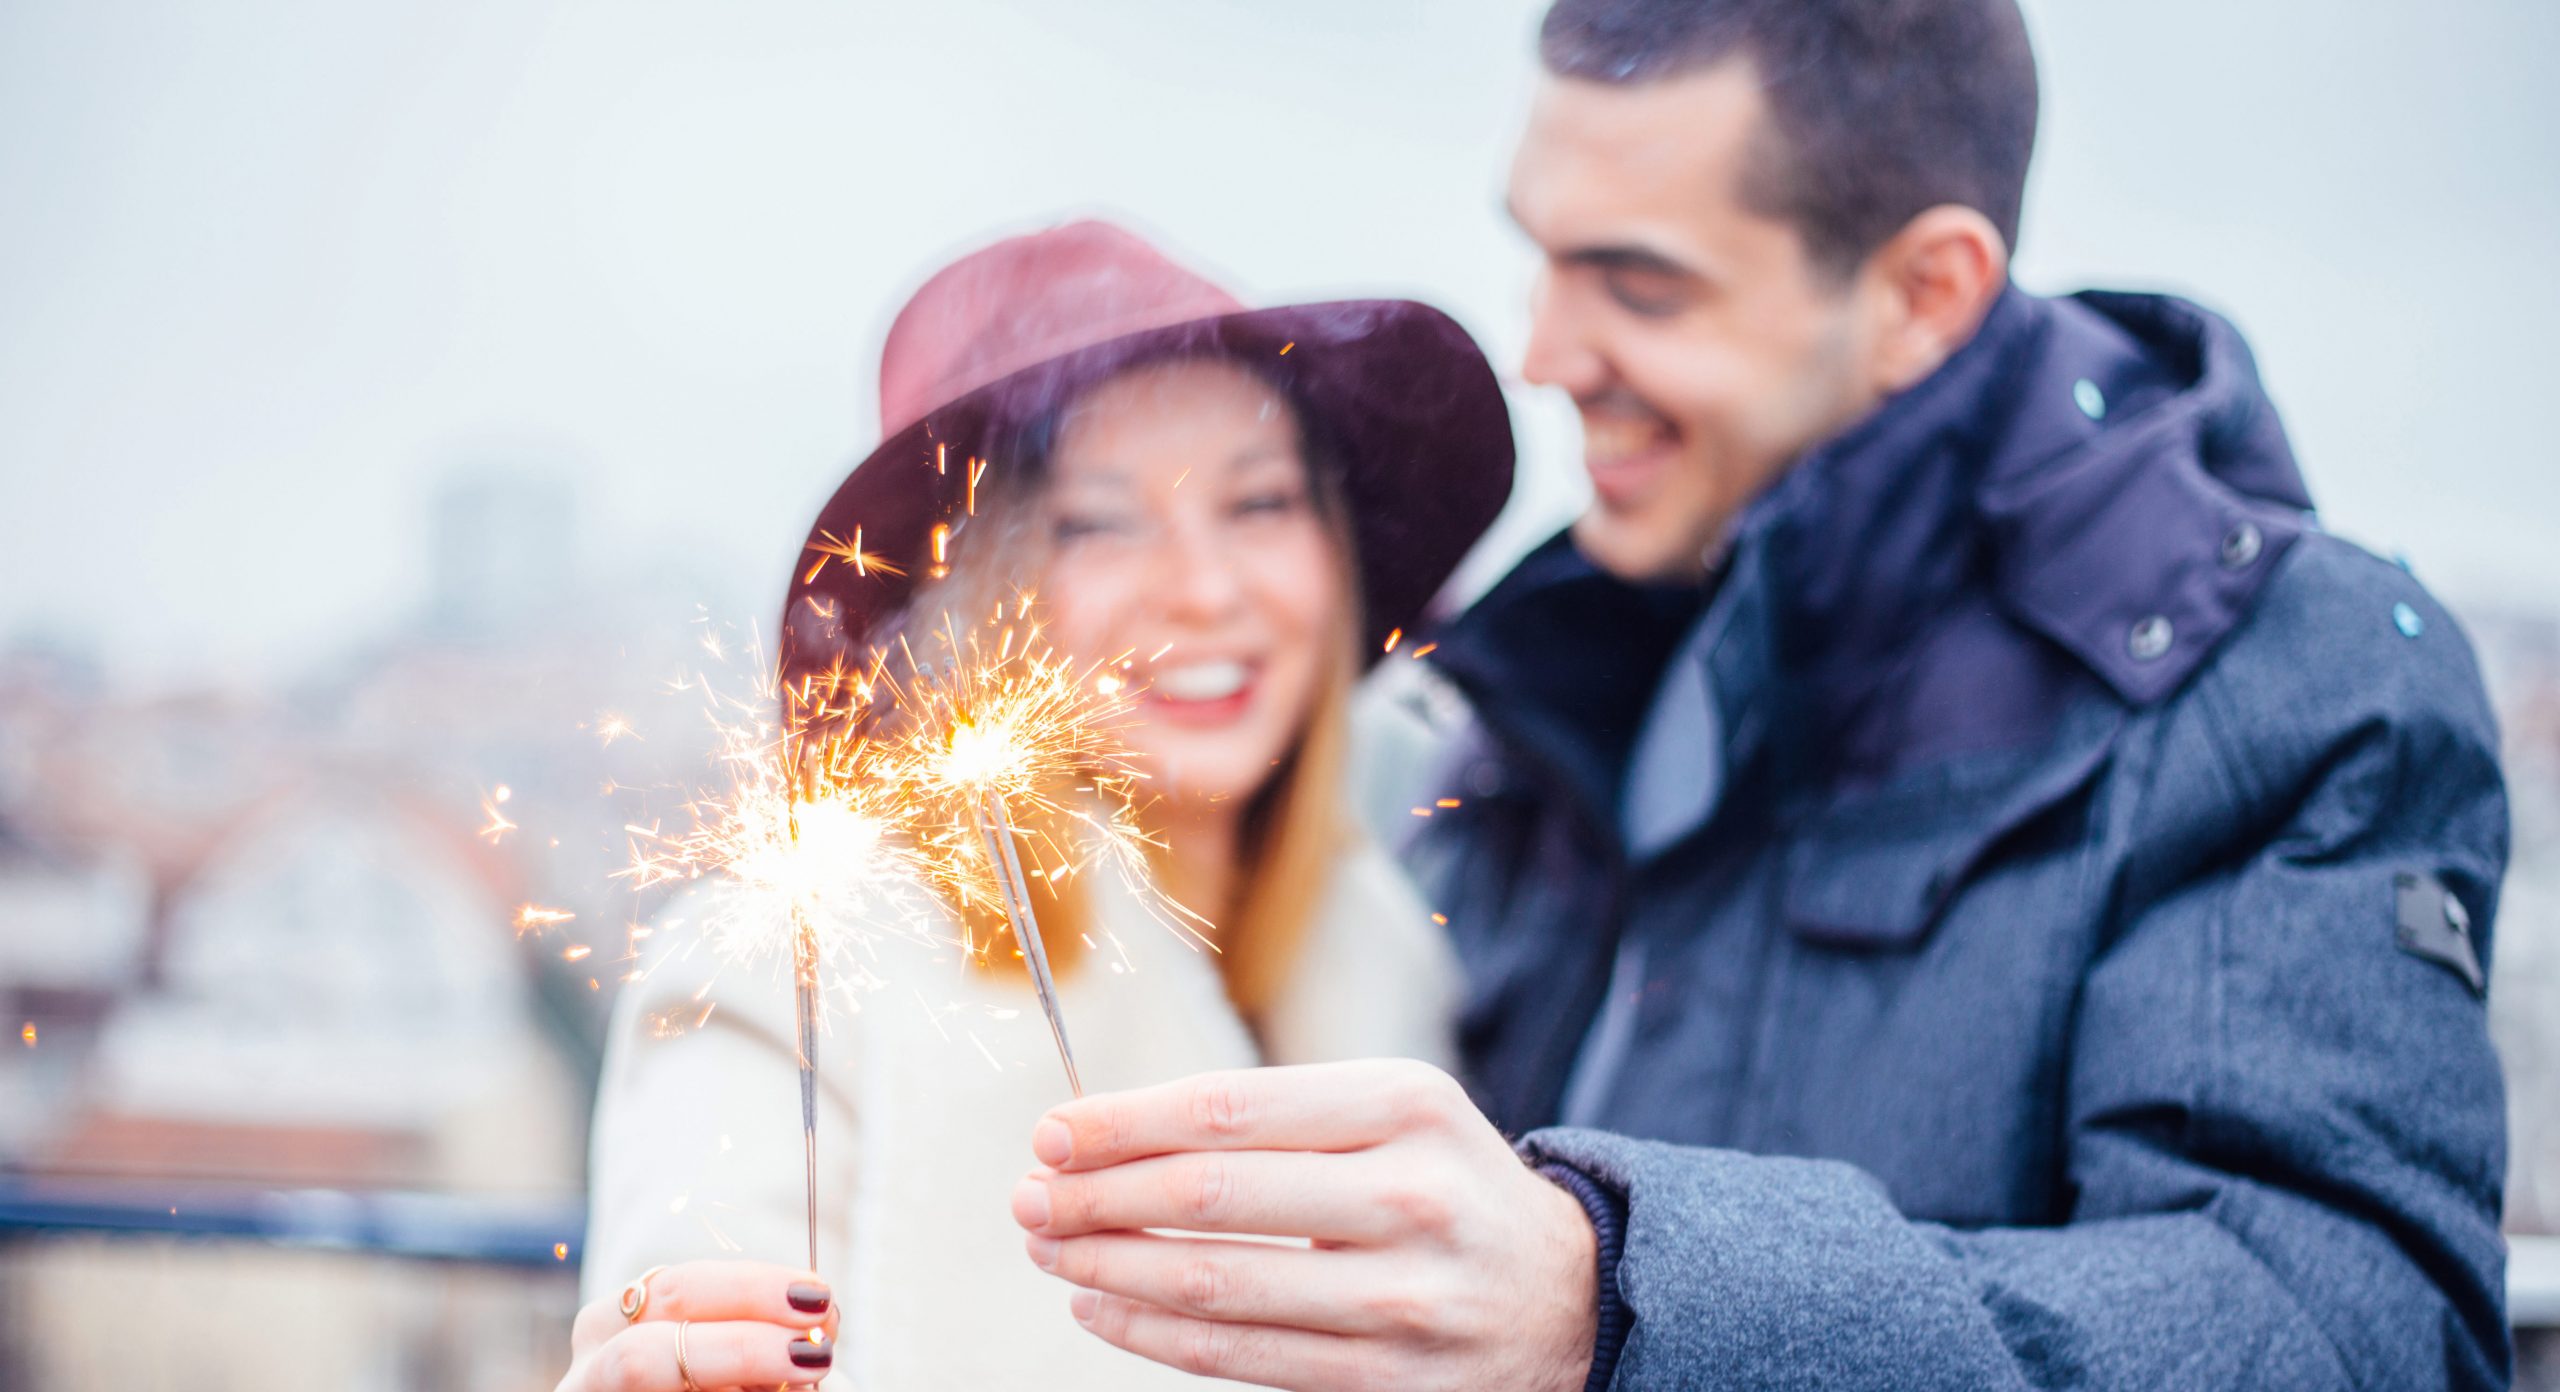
<point x="1607" y="1210"/>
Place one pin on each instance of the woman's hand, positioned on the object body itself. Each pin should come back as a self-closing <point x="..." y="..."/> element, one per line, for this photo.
<point x="737" y="1325"/>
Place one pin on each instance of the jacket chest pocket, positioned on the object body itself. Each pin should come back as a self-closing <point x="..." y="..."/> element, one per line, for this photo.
<point x="1875" y="870"/>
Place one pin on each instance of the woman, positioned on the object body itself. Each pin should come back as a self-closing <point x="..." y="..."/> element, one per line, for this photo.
<point x="1250" y="503"/>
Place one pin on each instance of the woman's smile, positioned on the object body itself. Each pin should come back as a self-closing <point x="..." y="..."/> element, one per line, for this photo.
<point x="1204" y="693"/>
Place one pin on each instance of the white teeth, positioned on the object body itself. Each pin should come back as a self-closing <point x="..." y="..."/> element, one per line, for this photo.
<point x="1616" y="437"/>
<point x="1202" y="681"/>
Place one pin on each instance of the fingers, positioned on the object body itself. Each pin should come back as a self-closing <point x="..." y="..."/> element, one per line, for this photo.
<point x="738" y="1290"/>
<point x="598" y="1320"/>
<point x="1242" y="1352"/>
<point x="1329" y="1198"/>
<point x="718" y="1355"/>
<point x="1325" y="1106"/>
<point x="1233" y="1282"/>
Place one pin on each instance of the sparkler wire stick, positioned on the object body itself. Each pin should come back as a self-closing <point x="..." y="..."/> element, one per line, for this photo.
<point x="804" y="963"/>
<point x="997" y="828"/>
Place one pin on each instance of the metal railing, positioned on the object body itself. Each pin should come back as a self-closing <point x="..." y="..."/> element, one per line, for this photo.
<point x="417" y="1226"/>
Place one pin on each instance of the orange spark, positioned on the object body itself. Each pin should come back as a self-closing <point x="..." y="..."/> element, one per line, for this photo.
<point x="1285" y="347"/>
<point x="498" y="825"/>
<point x="559" y="1251"/>
<point x="1446" y="802"/>
<point x="27" y="1032"/>
<point x="534" y="917"/>
<point x="1394" y="636"/>
<point x="575" y="952"/>
<point x="829" y="547"/>
<point x="1424" y="651"/>
<point x="611" y="727"/>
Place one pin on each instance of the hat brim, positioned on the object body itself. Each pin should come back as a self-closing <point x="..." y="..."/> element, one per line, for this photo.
<point x="1420" y="441"/>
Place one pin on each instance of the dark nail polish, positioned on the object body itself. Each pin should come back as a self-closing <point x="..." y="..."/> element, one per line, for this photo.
<point x="805" y="1354"/>
<point x="808" y="1297"/>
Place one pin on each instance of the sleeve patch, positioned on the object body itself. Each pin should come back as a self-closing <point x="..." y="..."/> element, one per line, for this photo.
<point x="2435" y="925"/>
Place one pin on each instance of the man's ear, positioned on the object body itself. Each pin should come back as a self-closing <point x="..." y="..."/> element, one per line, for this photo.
<point x="1931" y="284"/>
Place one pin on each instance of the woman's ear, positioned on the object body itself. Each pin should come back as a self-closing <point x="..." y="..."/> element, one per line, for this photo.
<point x="1932" y="283"/>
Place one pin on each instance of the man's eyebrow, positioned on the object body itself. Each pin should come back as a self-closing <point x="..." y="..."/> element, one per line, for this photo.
<point x="1613" y="256"/>
<point x="1621" y="257"/>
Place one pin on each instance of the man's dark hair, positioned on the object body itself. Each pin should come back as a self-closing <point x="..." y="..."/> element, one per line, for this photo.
<point x="1877" y="109"/>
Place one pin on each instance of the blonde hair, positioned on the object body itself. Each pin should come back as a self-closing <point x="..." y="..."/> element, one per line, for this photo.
<point x="1294" y="826"/>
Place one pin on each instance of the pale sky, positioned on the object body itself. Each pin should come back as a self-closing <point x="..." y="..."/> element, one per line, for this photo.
<point x="269" y="268"/>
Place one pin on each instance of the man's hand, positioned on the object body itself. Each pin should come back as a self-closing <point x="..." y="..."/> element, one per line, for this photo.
<point x="1439" y="1259"/>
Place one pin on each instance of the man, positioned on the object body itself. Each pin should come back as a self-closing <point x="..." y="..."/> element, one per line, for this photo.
<point x="1967" y="887"/>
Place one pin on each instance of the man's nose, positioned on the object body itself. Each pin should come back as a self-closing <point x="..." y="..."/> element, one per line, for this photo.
<point x="1560" y="353"/>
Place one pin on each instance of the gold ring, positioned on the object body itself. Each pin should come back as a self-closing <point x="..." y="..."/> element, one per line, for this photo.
<point x="635" y="1297"/>
<point x="683" y="1369"/>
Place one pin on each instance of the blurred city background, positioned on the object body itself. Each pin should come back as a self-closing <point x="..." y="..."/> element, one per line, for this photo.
<point x="395" y="397"/>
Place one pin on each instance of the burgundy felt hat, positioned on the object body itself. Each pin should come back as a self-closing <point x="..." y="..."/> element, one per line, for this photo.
<point x="1415" y="421"/>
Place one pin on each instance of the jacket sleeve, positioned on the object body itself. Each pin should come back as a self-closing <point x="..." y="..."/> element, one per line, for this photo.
<point x="695" y="1150"/>
<point x="2285" y="1127"/>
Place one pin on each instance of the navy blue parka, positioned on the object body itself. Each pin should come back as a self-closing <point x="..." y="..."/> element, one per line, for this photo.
<point x="2075" y="976"/>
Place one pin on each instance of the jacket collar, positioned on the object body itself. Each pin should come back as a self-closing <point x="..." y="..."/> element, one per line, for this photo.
<point x="1560" y="660"/>
<point x="2090" y="467"/>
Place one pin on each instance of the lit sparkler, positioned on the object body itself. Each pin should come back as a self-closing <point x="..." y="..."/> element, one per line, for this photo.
<point x="804" y="859"/>
<point x="861" y="803"/>
<point x="1007" y="743"/>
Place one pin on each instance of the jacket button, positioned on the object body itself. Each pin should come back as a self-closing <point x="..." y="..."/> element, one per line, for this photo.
<point x="2242" y="545"/>
<point x="2150" y="638"/>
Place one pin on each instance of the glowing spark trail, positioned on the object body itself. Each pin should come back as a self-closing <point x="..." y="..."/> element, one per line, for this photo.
<point x="498" y="826"/>
<point x="530" y="917"/>
<point x="829" y="547"/>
